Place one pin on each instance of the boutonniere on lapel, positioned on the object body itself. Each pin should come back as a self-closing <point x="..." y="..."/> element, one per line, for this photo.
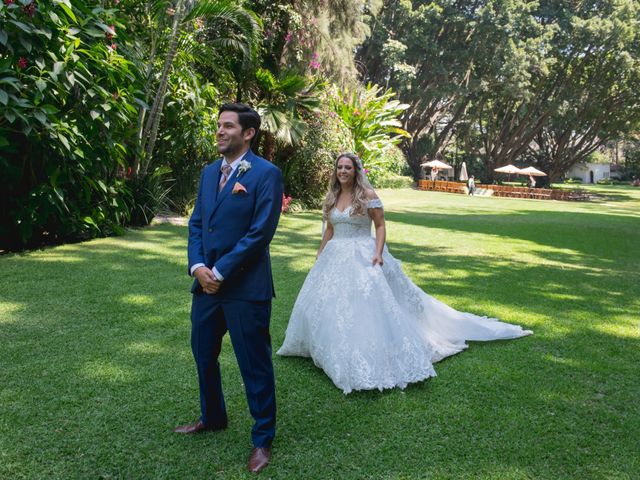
<point x="243" y="167"/>
<point x="238" y="188"/>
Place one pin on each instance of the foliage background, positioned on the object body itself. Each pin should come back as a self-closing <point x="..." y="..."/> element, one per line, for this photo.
<point x="67" y="112"/>
<point x="108" y="107"/>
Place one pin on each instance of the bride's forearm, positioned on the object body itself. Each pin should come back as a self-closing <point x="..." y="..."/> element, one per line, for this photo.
<point x="381" y="236"/>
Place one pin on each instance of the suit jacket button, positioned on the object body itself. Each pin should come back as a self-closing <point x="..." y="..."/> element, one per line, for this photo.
<point x="210" y="230"/>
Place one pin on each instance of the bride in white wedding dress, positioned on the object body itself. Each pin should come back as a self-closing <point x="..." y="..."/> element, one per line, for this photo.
<point x="358" y="316"/>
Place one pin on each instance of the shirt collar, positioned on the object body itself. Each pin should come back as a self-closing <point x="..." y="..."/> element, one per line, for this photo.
<point x="236" y="162"/>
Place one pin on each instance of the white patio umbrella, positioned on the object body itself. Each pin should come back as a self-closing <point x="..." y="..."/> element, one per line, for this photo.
<point x="436" y="164"/>
<point x="464" y="176"/>
<point x="534" y="172"/>
<point x="507" y="169"/>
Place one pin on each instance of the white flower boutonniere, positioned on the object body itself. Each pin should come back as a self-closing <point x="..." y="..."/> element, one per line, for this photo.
<point x="243" y="167"/>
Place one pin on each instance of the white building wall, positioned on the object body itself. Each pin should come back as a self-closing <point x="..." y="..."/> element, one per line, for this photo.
<point x="585" y="170"/>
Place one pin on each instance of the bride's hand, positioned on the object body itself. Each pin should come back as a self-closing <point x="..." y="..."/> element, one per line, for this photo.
<point x="377" y="260"/>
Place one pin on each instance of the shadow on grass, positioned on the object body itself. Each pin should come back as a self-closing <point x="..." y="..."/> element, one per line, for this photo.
<point x="546" y="408"/>
<point x="597" y="237"/>
<point x="98" y="357"/>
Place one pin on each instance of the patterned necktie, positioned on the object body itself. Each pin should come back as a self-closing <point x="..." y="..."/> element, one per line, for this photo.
<point x="226" y="171"/>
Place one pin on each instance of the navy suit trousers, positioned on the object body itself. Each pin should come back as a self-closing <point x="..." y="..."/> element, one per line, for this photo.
<point x="248" y="326"/>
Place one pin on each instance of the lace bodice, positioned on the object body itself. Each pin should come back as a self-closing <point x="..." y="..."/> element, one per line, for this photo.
<point x="346" y="225"/>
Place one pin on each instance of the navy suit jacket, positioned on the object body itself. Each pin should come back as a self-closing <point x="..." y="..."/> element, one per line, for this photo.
<point x="232" y="231"/>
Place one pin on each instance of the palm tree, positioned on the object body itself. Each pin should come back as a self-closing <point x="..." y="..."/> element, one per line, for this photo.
<point x="281" y="101"/>
<point x="371" y="114"/>
<point x="242" y="33"/>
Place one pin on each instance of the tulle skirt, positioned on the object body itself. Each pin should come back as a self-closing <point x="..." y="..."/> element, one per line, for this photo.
<point x="370" y="327"/>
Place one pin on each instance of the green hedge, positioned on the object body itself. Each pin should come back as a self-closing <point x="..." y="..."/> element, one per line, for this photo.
<point x="67" y="105"/>
<point x="393" y="180"/>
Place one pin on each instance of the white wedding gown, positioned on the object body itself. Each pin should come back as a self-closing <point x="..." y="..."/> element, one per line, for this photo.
<point x="369" y="326"/>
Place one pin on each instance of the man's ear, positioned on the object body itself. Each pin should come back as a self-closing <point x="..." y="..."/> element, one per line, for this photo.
<point x="249" y="133"/>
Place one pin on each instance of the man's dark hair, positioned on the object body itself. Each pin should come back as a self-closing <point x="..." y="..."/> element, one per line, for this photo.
<point x="247" y="116"/>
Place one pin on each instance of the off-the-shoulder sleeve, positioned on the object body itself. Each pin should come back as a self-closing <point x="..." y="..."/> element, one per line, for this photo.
<point x="375" y="203"/>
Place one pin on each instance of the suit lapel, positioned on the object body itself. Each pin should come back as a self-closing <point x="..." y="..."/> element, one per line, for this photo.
<point x="226" y="191"/>
<point x="210" y="182"/>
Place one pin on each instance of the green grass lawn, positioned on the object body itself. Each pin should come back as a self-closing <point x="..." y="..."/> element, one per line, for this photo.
<point x="96" y="368"/>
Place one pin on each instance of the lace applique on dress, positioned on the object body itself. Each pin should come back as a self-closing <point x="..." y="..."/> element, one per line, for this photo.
<point x="375" y="203"/>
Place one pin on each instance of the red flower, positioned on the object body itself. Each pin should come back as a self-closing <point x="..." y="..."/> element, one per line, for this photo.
<point x="114" y="47"/>
<point x="22" y="62"/>
<point x="30" y="9"/>
<point x="129" y="172"/>
<point x="9" y="2"/>
<point x="109" y="33"/>
<point x="285" y="203"/>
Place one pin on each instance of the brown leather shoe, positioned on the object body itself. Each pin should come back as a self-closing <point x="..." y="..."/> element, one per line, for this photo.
<point x="260" y="458"/>
<point x="195" y="428"/>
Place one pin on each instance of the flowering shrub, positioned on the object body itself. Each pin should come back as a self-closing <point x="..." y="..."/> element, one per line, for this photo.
<point x="307" y="168"/>
<point x="286" y="200"/>
<point x="391" y="170"/>
<point x="66" y="104"/>
<point x="372" y="116"/>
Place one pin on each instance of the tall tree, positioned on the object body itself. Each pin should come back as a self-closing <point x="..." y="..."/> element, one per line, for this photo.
<point x="440" y="57"/>
<point x="510" y="77"/>
<point x="597" y="68"/>
<point x="313" y="37"/>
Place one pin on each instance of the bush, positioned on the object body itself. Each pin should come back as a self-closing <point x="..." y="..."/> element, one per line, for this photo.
<point x="372" y="116"/>
<point x="573" y="180"/>
<point x="397" y="162"/>
<point x="391" y="180"/>
<point x="187" y="143"/>
<point x="148" y="196"/>
<point x="307" y="166"/>
<point x="67" y="101"/>
<point x="390" y="164"/>
<point x="612" y="181"/>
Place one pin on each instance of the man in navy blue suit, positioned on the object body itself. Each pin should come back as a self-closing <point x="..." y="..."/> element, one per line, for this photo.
<point x="233" y="221"/>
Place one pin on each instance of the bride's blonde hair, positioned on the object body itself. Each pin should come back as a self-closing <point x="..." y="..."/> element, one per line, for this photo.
<point x="359" y="195"/>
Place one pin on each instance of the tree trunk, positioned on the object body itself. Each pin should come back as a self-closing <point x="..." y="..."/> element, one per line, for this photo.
<point x="268" y="146"/>
<point x="150" y="131"/>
